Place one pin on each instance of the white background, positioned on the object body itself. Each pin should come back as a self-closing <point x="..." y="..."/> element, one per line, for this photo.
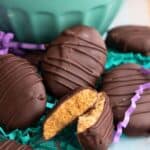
<point x="134" y="12"/>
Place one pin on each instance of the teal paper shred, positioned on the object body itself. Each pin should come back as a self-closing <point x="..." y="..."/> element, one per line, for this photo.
<point x="67" y="139"/>
<point x="114" y="59"/>
<point x="50" y="105"/>
<point x="51" y="102"/>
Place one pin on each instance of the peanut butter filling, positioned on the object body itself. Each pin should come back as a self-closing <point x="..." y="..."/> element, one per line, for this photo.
<point x="68" y="111"/>
<point x="91" y="117"/>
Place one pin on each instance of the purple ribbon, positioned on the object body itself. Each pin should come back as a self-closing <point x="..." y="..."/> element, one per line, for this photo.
<point x="8" y="45"/>
<point x="131" y="109"/>
<point x="145" y="71"/>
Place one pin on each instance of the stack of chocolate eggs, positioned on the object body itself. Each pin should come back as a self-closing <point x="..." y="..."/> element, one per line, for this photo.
<point x="69" y="70"/>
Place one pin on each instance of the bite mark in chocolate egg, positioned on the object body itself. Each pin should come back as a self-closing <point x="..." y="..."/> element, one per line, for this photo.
<point x="68" y="110"/>
<point x="130" y="38"/>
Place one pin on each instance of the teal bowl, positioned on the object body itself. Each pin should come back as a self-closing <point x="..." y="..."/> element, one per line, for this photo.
<point x="42" y="20"/>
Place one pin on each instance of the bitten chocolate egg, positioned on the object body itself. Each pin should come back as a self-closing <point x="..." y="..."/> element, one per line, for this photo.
<point x="120" y="84"/>
<point x="22" y="94"/>
<point x="68" y="110"/>
<point x="75" y="59"/>
<point x="13" y="145"/>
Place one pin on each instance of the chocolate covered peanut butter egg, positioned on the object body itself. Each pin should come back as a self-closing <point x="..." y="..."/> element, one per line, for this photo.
<point x="121" y="84"/>
<point x="22" y="94"/>
<point x="68" y="110"/>
<point x="130" y="38"/>
<point x="75" y="59"/>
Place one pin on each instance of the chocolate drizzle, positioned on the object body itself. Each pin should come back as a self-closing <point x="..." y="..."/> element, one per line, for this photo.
<point x="130" y="38"/>
<point x="120" y="84"/>
<point x="12" y="145"/>
<point x="100" y="135"/>
<point x="22" y="94"/>
<point x="75" y="59"/>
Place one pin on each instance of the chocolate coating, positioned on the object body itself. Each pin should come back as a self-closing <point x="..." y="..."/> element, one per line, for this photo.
<point x="120" y="84"/>
<point x="100" y="135"/>
<point x="35" y="58"/>
<point x="12" y="145"/>
<point x="22" y="94"/>
<point x="75" y="59"/>
<point x="130" y="38"/>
